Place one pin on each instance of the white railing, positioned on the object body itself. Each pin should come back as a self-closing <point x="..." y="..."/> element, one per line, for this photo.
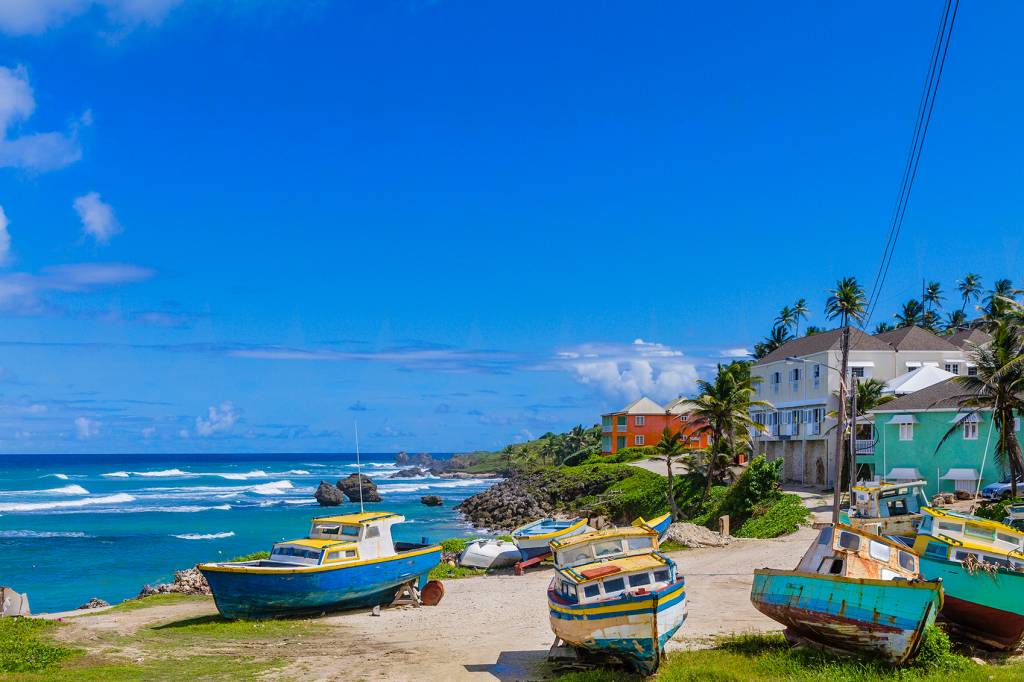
<point x="865" y="447"/>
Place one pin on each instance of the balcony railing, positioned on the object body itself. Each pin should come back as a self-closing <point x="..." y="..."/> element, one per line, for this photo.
<point x="865" y="447"/>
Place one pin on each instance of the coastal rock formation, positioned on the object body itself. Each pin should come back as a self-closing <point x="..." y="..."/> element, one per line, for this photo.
<point x="692" y="535"/>
<point x="189" y="581"/>
<point x="462" y="475"/>
<point x="432" y="500"/>
<point x="412" y="472"/>
<point x="94" y="603"/>
<point x="352" y="485"/>
<point x="328" y="495"/>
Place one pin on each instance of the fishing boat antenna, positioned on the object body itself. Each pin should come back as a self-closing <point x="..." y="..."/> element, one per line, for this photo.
<point x="359" y="470"/>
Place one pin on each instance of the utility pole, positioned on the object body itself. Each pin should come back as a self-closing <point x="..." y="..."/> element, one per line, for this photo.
<point x="853" y="436"/>
<point x="840" y="425"/>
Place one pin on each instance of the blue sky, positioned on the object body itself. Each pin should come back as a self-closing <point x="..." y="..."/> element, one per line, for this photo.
<point x="245" y="225"/>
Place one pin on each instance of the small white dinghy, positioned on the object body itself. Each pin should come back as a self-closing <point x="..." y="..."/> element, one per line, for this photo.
<point x="489" y="554"/>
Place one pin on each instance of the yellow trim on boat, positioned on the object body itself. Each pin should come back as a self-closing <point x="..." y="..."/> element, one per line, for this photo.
<point x="966" y="544"/>
<point x="614" y="608"/>
<point x="653" y="522"/>
<point x="632" y="532"/>
<point x="545" y="536"/>
<point x="981" y="523"/>
<point x="364" y="517"/>
<point x="625" y="564"/>
<point x="317" y="543"/>
<point x="314" y="569"/>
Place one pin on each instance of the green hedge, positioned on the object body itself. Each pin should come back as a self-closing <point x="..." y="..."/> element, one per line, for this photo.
<point x="779" y="517"/>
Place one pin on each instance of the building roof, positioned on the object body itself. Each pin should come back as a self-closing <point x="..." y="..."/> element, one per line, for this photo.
<point x="940" y="396"/>
<point x="823" y="341"/>
<point x="917" y="379"/>
<point x="643" y="405"/>
<point x="973" y="336"/>
<point x="915" y="338"/>
<point x="680" y="405"/>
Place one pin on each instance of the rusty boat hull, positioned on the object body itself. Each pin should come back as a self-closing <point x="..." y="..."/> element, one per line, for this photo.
<point x="879" y="618"/>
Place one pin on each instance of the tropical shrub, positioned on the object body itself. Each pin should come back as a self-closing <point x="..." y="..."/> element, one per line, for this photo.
<point x="779" y="517"/>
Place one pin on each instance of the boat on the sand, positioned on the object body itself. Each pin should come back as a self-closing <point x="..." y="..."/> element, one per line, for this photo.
<point x="981" y="565"/>
<point x="533" y="538"/>
<point x="852" y="592"/>
<point x="346" y="562"/>
<point x="659" y="524"/>
<point x="614" y="594"/>
<point x="887" y="508"/>
<point x="489" y="553"/>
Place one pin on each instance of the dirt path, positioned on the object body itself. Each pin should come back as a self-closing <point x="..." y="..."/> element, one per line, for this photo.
<point x="493" y="627"/>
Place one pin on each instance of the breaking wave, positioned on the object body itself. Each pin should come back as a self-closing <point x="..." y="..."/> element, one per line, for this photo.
<point x="41" y="534"/>
<point x="62" y="477"/>
<point x="205" y="536"/>
<point x="120" y="498"/>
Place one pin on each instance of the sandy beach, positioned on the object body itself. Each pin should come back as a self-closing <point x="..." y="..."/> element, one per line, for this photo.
<point x="492" y="627"/>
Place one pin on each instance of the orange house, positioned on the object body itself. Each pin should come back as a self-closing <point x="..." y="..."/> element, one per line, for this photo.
<point x="639" y="425"/>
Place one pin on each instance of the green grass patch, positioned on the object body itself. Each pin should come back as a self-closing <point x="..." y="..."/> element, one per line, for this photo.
<point x="26" y="646"/>
<point x="253" y="556"/>
<point x="215" y="627"/>
<point x="778" y="517"/>
<point x="205" y="667"/>
<point x="446" y="572"/>
<point x="151" y="600"/>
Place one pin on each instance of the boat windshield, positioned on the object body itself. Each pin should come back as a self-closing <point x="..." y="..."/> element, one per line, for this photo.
<point x="289" y="551"/>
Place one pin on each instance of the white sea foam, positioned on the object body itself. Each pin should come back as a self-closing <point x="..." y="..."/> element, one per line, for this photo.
<point x="120" y="498"/>
<point x="205" y="536"/>
<point x="62" y="477"/>
<point x="117" y="474"/>
<point x="275" y="488"/>
<point x="66" y="490"/>
<point x="239" y="477"/>
<point x="434" y="484"/>
<point x="41" y="534"/>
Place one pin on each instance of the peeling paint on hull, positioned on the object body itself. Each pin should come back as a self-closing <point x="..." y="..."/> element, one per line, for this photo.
<point x="634" y="628"/>
<point x="881" y="618"/>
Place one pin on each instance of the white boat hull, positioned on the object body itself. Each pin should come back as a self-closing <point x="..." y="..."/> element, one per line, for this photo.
<point x="489" y="554"/>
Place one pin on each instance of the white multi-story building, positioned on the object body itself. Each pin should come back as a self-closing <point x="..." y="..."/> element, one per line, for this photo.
<point x="801" y="381"/>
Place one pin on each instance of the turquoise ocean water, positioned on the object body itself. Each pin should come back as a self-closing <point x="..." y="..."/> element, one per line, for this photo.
<point x="76" y="527"/>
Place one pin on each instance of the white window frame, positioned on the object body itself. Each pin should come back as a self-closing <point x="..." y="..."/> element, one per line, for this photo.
<point x="953" y="367"/>
<point x="970" y="429"/>
<point x="906" y="432"/>
<point x="858" y="372"/>
<point x="816" y="375"/>
<point x="638" y="420"/>
<point x="638" y="439"/>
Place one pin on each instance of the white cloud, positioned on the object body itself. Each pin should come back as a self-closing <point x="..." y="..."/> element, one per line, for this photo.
<point x="21" y="17"/>
<point x="31" y="151"/>
<point x="219" y="418"/>
<point x="740" y="353"/>
<point x="20" y="291"/>
<point x="628" y="371"/>
<point x="5" y="239"/>
<point x="86" y="428"/>
<point x="148" y="432"/>
<point x="97" y="217"/>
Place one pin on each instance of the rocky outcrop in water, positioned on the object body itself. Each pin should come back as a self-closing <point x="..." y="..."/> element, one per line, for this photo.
<point x="189" y="581"/>
<point x="94" y="603"/>
<point x="328" y="495"/>
<point x="412" y="472"/>
<point x="432" y="500"/>
<point x="351" y="486"/>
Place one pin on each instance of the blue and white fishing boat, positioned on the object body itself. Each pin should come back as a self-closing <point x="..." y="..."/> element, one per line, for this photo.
<point x="853" y="592"/>
<point x="533" y="538"/>
<point x="659" y="524"/>
<point x="346" y="562"/>
<point x="615" y="594"/>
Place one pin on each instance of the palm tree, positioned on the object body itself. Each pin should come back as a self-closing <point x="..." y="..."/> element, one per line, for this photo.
<point x="799" y="312"/>
<point x="933" y="295"/>
<point x="845" y="302"/>
<point x="969" y="287"/>
<point x="996" y="300"/>
<point x="998" y="387"/>
<point x="883" y="327"/>
<point x="931" y="321"/>
<point x="777" y="338"/>
<point x="812" y="330"/>
<point x="669" y="449"/>
<point x="723" y="411"/>
<point x="911" y="314"/>
<point x="955" y="320"/>
<point x="786" y="317"/>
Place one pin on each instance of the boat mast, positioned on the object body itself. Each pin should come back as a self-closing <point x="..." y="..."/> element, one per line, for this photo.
<point x="359" y="470"/>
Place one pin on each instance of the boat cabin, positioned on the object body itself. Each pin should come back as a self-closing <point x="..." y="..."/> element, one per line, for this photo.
<point x="607" y="579"/>
<point x="945" y="534"/>
<point x="851" y="553"/>
<point x="601" y="545"/>
<point x="887" y="500"/>
<point x="334" y="539"/>
<point x="1015" y="517"/>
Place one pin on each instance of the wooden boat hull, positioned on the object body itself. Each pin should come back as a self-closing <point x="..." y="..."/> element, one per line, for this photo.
<point x="905" y="526"/>
<point x="633" y="628"/>
<point x="536" y="544"/>
<point x="884" y="618"/>
<point x="254" y="591"/>
<point x="985" y="607"/>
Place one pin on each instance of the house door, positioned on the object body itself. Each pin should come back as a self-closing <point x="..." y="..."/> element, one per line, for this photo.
<point x="819" y="472"/>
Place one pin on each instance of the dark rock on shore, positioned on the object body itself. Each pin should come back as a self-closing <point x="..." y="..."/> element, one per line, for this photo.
<point x="328" y="495"/>
<point x="352" y="485"/>
<point x="412" y="472"/>
<point x="189" y="581"/>
<point x="463" y="475"/>
<point x="94" y="603"/>
<point x="432" y="500"/>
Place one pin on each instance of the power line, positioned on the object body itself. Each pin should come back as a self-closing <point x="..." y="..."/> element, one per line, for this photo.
<point x="925" y="110"/>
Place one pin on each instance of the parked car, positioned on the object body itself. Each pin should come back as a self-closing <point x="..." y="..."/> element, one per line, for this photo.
<point x="1001" y="490"/>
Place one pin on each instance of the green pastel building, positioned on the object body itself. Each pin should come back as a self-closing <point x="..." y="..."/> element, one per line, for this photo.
<point x="907" y="433"/>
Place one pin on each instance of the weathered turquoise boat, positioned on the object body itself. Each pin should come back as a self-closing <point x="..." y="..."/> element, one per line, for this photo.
<point x="347" y="561"/>
<point x="614" y="594"/>
<point x="659" y="524"/>
<point x="981" y="564"/>
<point x="533" y="538"/>
<point x="852" y="592"/>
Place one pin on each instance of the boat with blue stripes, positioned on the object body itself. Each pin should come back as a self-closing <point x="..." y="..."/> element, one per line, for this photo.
<point x="348" y="561"/>
<point x="615" y="595"/>
<point x="853" y="592"/>
<point x="659" y="524"/>
<point x="533" y="538"/>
